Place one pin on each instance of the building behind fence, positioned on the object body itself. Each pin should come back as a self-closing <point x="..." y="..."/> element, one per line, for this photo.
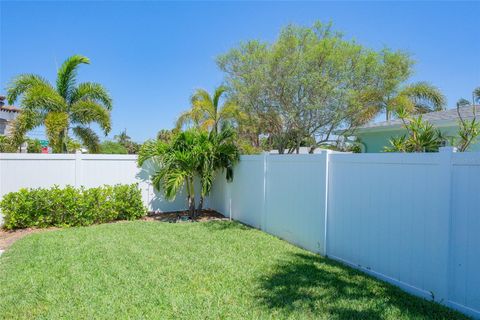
<point x="410" y="219"/>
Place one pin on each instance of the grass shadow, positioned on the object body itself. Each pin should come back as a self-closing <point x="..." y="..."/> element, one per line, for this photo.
<point x="218" y="225"/>
<point x="319" y="287"/>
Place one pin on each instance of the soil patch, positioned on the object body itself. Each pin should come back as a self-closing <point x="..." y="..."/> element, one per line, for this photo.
<point x="182" y="216"/>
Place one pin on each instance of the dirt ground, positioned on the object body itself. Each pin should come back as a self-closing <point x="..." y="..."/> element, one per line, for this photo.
<point x="8" y="237"/>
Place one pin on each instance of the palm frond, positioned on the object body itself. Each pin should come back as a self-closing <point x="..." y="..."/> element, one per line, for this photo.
<point x="217" y="95"/>
<point x="476" y="95"/>
<point x="462" y="103"/>
<point x="56" y="125"/>
<point x="43" y="98"/>
<point x="66" y="75"/>
<point x="88" y="111"/>
<point x="425" y="97"/>
<point x="22" y="83"/>
<point x="92" y="91"/>
<point x="88" y="137"/>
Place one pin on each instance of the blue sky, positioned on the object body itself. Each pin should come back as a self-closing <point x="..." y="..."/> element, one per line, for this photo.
<point x="152" y="55"/>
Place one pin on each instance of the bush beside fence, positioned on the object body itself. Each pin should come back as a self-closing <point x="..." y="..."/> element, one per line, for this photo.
<point x="70" y="206"/>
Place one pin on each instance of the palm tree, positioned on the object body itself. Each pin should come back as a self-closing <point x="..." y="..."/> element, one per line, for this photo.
<point x="217" y="151"/>
<point x="62" y="107"/>
<point x="189" y="154"/>
<point x="206" y="112"/>
<point x="416" y="98"/>
<point x="123" y="138"/>
<point x="177" y="162"/>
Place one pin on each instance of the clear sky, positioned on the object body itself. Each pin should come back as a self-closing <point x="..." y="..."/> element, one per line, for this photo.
<point x="152" y="55"/>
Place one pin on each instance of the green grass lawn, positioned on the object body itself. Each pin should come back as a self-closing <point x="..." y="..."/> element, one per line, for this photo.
<point x="214" y="270"/>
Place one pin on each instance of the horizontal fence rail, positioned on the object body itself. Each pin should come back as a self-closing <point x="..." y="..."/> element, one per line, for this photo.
<point x="410" y="219"/>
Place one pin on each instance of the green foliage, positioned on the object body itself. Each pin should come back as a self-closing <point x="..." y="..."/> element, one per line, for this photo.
<point x="34" y="146"/>
<point x="187" y="155"/>
<point x="469" y="130"/>
<point x="307" y="84"/>
<point x="112" y="147"/>
<point x="206" y="113"/>
<point x="71" y="206"/>
<point x="421" y="136"/>
<point x="61" y="108"/>
<point x="124" y="140"/>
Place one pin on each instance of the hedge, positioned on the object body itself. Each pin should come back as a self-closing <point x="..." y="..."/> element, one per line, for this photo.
<point x="71" y="206"/>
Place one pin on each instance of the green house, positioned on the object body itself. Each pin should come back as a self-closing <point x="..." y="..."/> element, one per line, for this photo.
<point x="373" y="137"/>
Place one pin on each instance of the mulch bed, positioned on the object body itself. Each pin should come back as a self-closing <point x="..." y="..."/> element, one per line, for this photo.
<point x="8" y="237"/>
<point x="182" y="216"/>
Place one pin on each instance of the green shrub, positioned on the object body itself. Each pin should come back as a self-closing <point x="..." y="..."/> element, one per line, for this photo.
<point x="71" y="206"/>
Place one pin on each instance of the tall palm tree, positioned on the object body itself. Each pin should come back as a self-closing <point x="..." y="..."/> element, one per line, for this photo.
<point x="206" y="112"/>
<point x="62" y="107"/>
<point x="415" y="98"/>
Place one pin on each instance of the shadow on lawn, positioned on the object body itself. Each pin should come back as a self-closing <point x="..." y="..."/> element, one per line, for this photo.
<point x="315" y="286"/>
<point x="224" y="225"/>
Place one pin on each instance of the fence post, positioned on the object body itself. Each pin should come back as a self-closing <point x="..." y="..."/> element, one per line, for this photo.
<point x="263" y="223"/>
<point x="446" y="154"/>
<point x="78" y="169"/>
<point x="325" y="212"/>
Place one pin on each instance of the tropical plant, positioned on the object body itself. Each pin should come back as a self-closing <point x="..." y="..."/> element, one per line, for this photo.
<point x="217" y="151"/>
<point x="421" y="136"/>
<point x="190" y="154"/>
<point x="177" y="164"/>
<point x="415" y="98"/>
<point x="67" y="106"/>
<point x="125" y="140"/>
<point x="207" y="113"/>
<point x="112" y="147"/>
<point x="34" y="146"/>
<point x="468" y="130"/>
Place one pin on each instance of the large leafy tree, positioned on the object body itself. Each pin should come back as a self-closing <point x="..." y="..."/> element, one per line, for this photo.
<point x="207" y="112"/>
<point x="63" y="108"/>
<point x="312" y="82"/>
<point x="305" y="85"/>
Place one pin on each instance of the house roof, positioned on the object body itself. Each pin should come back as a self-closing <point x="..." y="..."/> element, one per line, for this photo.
<point x="439" y="118"/>
<point x="3" y="107"/>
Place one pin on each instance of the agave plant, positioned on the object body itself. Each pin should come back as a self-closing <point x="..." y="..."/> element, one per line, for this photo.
<point x="62" y="108"/>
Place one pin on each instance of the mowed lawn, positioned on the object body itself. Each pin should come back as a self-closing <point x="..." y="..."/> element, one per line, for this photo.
<point x="213" y="270"/>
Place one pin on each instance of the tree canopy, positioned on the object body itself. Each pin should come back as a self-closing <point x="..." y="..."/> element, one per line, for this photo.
<point x="312" y="82"/>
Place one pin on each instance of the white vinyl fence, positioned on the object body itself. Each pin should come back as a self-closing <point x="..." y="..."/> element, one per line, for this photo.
<point x="410" y="219"/>
<point x="45" y="170"/>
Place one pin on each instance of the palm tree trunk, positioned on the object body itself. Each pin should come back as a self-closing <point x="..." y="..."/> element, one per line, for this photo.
<point x="200" y="205"/>
<point x="191" y="199"/>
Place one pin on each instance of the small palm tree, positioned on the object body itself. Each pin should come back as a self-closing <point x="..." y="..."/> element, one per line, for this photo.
<point x="217" y="151"/>
<point x="206" y="112"/>
<point x="177" y="162"/>
<point x="62" y="107"/>
<point x="190" y="154"/>
<point x="416" y="98"/>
